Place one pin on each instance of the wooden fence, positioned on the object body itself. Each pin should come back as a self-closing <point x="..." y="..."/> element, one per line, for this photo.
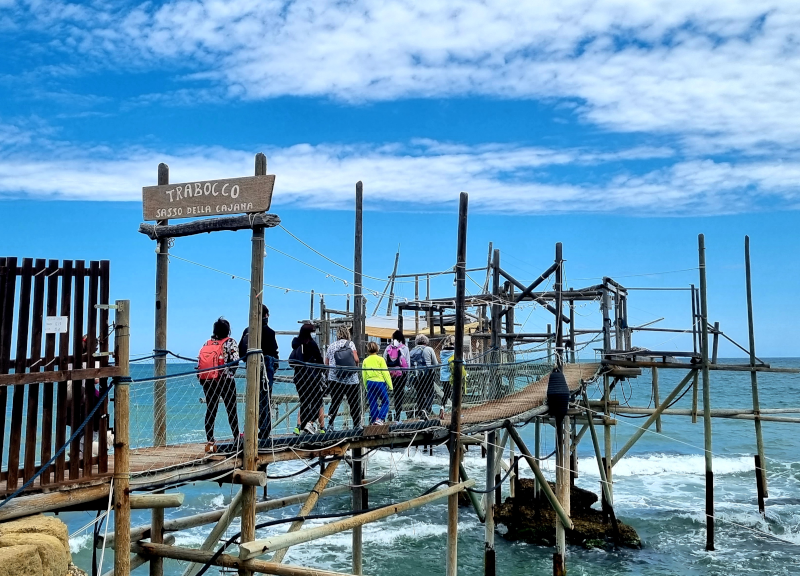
<point x="67" y="364"/>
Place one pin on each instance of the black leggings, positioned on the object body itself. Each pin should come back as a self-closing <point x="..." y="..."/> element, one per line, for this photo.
<point x="309" y="389"/>
<point x="225" y="388"/>
<point x="353" y="393"/>
<point x="399" y="392"/>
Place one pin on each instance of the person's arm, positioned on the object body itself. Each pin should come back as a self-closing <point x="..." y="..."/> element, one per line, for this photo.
<point x="355" y="352"/>
<point x="274" y="343"/>
<point x="433" y="356"/>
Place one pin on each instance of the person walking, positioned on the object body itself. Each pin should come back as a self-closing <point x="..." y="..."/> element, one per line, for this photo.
<point x="343" y="377"/>
<point x="396" y="357"/>
<point x="445" y="377"/>
<point x="308" y="378"/>
<point x="219" y="382"/>
<point x="378" y="382"/>
<point x="269" y="346"/>
<point x="423" y="365"/>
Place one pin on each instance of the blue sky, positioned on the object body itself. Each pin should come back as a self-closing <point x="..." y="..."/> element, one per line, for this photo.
<point x="621" y="129"/>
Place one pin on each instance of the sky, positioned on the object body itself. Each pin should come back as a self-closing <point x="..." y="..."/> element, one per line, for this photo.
<point x="621" y="129"/>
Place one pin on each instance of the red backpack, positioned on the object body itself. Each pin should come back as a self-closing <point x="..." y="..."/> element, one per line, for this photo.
<point x="211" y="355"/>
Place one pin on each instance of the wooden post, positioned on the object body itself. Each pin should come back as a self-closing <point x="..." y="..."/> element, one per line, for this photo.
<point x="559" y="287"/>
<point x="572" y="331"/>
<point x="563" y="494"/>
<point x="706" y="395"/>
<point x="311" y="312"/>
<point x="253" y="373"/>
<point x="122" y="472"/>
<point x="416" y="310"/>
<point x="549" y="344"/>
<point x="537" y="450"/>
<point x="358" y="340"/>
<point x="431" y="331"/>
<point x="391" y="285"/>
<point x="495" y="321"/>
<point x="753" y="374"/>
<point x="605" y="486"/>
<point x="695" y="387"/>
<point x="458" y="383"/>
<point x="160" y="369"/>
<point x="656" y="399"/>
<point x="715" y="344"/>
<point x="605" y="304"/>
<point x="760" y="488"/>
<point x="489" y="565"/>
<point x="510" y="321"/>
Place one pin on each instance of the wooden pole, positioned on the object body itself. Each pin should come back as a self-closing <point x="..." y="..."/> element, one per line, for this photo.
<point x="537" y="451"/>
<point x="605" y="485"/>
<point x="760" y="488"/>
<point x="148" y="501"/>
<point x="559" y="287"/>
<point x="572" y="331"/>
<point x="253" y="373"/>
<point x="695" y="388"/>
<point x="605" y="304"/>
<point x="715" y="343"/>
<point x="416" y="299"/>
<point x="549" y="344"/>
<point x="489" y="564"/>
<point x="495" y="320"/>
<point x="753" y="374"/>
<point x="264" y="546"/>
<point x="309" y="504"/>
<point x="473" y="498"/>
<point x="563" y="494"/>
<point x="311" y="312"/>
<point x="391" y="286"/>
<point x="228" y="561"/>
<point x="458" y="383"/>
<point x="122" y="468"/>
<point x="656" y="398"/>
<point x="160" y="368"/>
<point x="358" y="334"/>
<point x="706" y="395"/>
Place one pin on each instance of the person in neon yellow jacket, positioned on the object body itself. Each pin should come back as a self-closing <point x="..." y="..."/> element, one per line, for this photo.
<point x="378" y="383"/>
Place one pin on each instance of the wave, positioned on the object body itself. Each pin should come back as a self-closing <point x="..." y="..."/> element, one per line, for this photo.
<point x="670" y="464"/>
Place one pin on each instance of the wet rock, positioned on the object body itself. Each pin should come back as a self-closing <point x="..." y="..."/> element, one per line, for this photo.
<point x="533" y="520"/>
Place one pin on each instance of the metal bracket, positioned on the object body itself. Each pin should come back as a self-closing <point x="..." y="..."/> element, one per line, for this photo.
<point x="106" y="306"/>
<point x="100" y="354"/>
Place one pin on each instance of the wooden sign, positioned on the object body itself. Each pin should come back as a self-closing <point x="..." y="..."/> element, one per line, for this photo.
<point x="208" y="197"/>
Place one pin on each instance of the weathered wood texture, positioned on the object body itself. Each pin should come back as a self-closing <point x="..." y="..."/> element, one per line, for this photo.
<point x="29" y="293"/>
<point x="205" y="198"/>
<point x="231" y="223"/>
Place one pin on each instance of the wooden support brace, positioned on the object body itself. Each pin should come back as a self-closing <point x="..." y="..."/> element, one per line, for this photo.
<point x="232" y="223"/>
<point x="231" y="512"/>
<point x="148" y="501"/>
<point x="256" y="548"/>
<point x="250" y="477"/>
<point x="474" y="498"/>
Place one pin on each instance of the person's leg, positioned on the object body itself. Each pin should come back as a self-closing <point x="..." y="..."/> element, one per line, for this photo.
<point x="383" y="396"/>
<point x="264" y="411"/>
<point x="229" y="398"/>
<point x="337" y="394"/>
<point x="399" y="394"/>
<point x="428" y="394"/>
<point x="354" y="401"/>
<point x="211" y="390"/>
<point x="372" y="399"/>
<point x="306" y="411"/>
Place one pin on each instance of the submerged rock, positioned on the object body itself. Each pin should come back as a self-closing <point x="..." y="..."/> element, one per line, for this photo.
<point x="533" y="520"/>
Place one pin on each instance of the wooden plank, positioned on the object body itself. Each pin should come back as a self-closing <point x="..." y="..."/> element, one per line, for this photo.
<point x="18" y="402"/>
<point x="63" y="352"/>
<point x="37" y="319"/>
<point x="58" y="376"/>
<point x="9" y="286"/>
<point x="89" y="383"/>
<point x="208" y="197"/>
<point x="77" y="352"/>
<point x="49" y="356"/>
<point x="231" y="224"/>
<point x="102" y="444"/>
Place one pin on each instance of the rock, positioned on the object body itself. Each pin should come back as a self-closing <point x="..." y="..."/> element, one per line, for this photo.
<point x="50" y="550"/>
<point x="39" y="524"/>
<point x="20" y="561"/>
<point x="75" y="571"/>
<point x="533" y="520"/>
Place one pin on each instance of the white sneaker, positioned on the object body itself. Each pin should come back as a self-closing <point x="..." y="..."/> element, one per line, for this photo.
<point x="311" y="428"/>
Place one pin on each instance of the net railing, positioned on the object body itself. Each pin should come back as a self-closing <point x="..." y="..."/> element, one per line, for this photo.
<point x="203" y="417"/>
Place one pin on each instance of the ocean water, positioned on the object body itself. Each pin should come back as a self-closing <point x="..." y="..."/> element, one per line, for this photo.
<point x="658" y="489"/>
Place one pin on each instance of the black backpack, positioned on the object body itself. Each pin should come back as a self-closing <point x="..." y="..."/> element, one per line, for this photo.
<point x="344" y="358"/>
<point x="296" y="358"/>
<point x="418" y="362"/>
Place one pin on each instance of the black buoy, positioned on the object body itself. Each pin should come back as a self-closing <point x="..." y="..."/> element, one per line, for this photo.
<point x="557" y="396"/>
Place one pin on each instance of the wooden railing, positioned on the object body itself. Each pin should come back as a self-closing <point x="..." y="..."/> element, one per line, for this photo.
<point x="57" y="372"/>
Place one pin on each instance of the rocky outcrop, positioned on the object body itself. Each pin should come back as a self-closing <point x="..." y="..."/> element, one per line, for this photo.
<point x="532" y="519"/>
<point x="46" y="542"/>
<point x="20" y="561"/>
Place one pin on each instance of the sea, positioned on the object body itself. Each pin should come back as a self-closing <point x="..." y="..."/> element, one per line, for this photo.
<point x="658" y="489"/>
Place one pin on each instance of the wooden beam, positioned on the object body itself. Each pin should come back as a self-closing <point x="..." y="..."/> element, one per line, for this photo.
<point x="228" y="561"/>
<point x="308" y="505"/>
<point x="250" y="477"/>
<point x="148" y="501"/>
<point x="122" y="468"/>
<point x="256" y="548"/>
<point x="59" y="376"/>
<point x="230" y="223"/>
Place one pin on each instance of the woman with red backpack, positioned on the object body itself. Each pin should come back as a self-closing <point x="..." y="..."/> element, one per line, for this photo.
<point x="396" y="356"/>
<point x="220" y="383"/>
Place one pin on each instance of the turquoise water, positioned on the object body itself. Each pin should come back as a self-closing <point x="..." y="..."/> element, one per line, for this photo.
<point x="658" y="489"/>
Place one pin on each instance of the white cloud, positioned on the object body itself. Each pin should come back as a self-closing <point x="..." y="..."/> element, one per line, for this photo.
<point x="416" y="176"/>
<point x="723" y="74"/>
